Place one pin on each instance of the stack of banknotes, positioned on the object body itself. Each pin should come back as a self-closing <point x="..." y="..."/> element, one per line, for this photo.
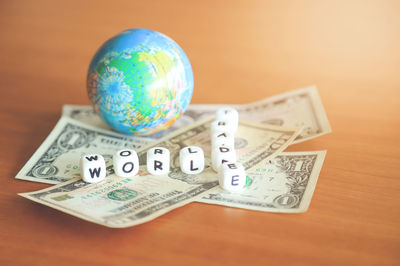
<point x="276" y="181"/>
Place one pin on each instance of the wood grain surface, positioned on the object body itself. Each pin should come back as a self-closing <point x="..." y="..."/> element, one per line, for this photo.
<point x="241" y="51"/>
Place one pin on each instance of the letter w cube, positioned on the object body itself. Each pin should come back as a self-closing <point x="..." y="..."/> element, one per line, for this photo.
<point x="93" y="168"/>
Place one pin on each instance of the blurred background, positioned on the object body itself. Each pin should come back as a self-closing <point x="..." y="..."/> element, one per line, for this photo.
<point x="346" y="48"/>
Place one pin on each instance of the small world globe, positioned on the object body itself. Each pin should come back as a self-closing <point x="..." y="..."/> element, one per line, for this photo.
<point x="140" y="81"/>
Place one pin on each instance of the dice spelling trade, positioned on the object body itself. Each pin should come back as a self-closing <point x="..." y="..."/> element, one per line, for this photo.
<point x="93" y="168"/>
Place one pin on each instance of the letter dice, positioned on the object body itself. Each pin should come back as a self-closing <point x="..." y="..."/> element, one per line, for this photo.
<point x="222" y="154"/>
<point x="232" y="176"/>
<point x="93" y="168"/>
<point x="191" y="160"/>
<point x="126" y="163"/>
<point x="219" y="126"/>
<point x="222" y="139"/>
<point x="158" y="161"/>
<point x="228" y="114"/>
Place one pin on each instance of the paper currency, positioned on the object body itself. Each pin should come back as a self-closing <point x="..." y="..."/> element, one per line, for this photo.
<point x="285" y="184"/>
<point x="123" y="202"/>
<point x="302" y="107"/>
<point x="119" y="202"/>
<point x="57" y="159"/>
<point x="86" y="114"/>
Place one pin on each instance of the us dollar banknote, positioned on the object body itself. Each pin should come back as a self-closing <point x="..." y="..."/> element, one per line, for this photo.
<point x="123" y="202"/>
<point x="87" y="115"/>
<point x="284" y="184"/>
<point x="55" y="160"/>
<point x="302" y="107"/>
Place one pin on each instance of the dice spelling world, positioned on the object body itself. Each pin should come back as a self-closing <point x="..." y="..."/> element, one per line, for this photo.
<point x="231" y="174"/>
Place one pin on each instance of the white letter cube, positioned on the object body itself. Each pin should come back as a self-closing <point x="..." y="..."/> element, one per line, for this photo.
<point x="228" y="114"/>
<point x="219" y="126"/>
<point x="222" y="138"/>
<point x="158" y="161"/>
<point x="93" y="168"/>
<point x="191" y="160"/>
<point x="232" y="176"/>
<point x="222" y="154"/>
<point x="126" y="163"/>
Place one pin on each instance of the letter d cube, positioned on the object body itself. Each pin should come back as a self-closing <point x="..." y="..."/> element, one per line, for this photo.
<point x="220" y="155"/>
<point x="93" y="168"/>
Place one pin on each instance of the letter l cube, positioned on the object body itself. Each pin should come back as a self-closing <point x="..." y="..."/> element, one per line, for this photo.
<point x="158" y="161"/>
<point x="191" y="160"/>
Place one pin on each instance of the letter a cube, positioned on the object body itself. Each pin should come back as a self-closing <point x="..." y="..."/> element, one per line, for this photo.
<point x="93" y="168"/>
<point x="222" y="138"/>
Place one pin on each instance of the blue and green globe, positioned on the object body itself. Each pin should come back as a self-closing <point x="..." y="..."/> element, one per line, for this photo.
<point x="140" y="81"/>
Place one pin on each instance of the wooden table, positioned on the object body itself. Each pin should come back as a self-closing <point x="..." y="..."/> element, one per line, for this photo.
<point x="241" y="51"/>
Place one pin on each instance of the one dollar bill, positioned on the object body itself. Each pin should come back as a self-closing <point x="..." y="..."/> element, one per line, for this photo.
<point x="57" y="159"/>
<point x="123" y="202"/>
<point x="284" y="184"/>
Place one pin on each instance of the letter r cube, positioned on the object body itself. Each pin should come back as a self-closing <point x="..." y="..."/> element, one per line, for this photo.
<point x="158" y="162"/>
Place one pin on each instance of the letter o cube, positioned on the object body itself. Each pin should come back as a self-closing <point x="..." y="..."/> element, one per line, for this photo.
<point x="191" y="160"/>
<point x="158" y="161"/>
<point x="222" y="154"/>
<point x="93" y="168"/>
<point x="232" y="176"/>
<point x="126" y="163"/>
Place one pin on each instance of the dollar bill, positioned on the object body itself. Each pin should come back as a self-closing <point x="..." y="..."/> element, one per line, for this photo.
<point x="56" y="161"/>
<point x="87" y="115"/>
<point x="118" y="202"/>
<point x="302" y="107"/>
<point x="284" y="184"/>
<point x="123" y="202"/>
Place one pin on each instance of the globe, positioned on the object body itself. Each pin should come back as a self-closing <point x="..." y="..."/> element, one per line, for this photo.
<point x="140" y="81"/>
